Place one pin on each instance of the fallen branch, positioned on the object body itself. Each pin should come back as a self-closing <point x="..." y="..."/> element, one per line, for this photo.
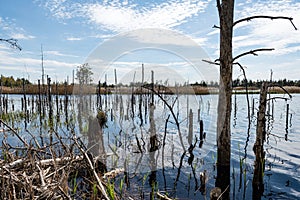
<point x="101" y="187"/>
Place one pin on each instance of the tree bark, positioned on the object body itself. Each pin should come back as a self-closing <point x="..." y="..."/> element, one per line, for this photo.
<point x="257" y="183"/>
<point x="226" y="10"/>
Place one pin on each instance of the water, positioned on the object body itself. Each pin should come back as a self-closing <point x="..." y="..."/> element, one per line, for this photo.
<point x="169" y="167"/>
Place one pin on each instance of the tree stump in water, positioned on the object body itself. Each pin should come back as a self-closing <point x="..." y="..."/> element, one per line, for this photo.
<point x="95" y="139"/>
<point x="258" y="184"/>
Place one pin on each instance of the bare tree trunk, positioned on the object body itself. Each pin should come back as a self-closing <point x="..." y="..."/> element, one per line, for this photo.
<point x="257" y="183"/>
<point x="226" y="9"/>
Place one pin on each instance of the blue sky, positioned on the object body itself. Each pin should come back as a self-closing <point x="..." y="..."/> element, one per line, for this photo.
<point x="113" y="32"/>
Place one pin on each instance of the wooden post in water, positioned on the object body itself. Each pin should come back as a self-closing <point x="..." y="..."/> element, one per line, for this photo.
<point x="152" y="85"/>
<point x="105" y="86"/>
<point x="287" y="116"/>
<point x="258" y="182"/>
<point x="201" y="134"/>
<point x="99" y="102"/>
<point x="25" y="103"/>
<point x="57" y="103"/>
<point x="153" y="137"/>
<point x="50" y="102"/>
<point x="287" y="122"/>
<point x="190" y="135"/>
<point x="66" y="102"/>
<point x="39" y="99"/>
<point x="201" y="130"/>
<point x="253" y="105"/>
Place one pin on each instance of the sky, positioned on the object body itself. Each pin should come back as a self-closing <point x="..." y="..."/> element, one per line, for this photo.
<point x="170" y="38"/>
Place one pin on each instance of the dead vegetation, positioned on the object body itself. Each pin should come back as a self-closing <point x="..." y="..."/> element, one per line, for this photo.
<point x="59" y="170"/>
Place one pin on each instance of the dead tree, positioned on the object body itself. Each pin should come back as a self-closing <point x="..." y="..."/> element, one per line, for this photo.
<point x="226" y="10"/>
<point x="226" y="62"/>
<point x="258" y="148"/>
<point x="257" y="183"/>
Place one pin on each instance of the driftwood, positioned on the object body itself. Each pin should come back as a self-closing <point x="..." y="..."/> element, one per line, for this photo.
<point x="44" y="172"/>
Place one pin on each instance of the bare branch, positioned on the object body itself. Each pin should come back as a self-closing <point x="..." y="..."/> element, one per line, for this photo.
<point x="253" y="52"/>
<point x="276" y="85"/>
<point x="215" y="26"/>
<point x="12" y="42"/>
<point x="247" y="93"/>
<point x="15" y="132"/>
<point x="211" y="62"/>
<point x="171" y="110"/>
<point x="264" y="17"/>
<point x="102" y="189"/>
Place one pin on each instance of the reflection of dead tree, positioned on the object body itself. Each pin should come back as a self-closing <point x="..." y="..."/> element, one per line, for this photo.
<point x="13" y="43"/>
<point x="163" y="151"/>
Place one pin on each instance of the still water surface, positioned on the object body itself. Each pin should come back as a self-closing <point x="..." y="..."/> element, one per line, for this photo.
<point x="174" y="165"/>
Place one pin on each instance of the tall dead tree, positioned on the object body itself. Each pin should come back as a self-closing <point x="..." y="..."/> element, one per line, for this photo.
<point x="226" y="10"/>
<point x="226" y="62"/>
<point x="258" y="147"/>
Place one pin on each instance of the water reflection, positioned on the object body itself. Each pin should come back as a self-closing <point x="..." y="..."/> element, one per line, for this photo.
<point x="157" y="153"/>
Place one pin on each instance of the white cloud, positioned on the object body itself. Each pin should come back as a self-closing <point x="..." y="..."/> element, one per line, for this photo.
<point x="119" y="16"/>
<point x="23" y="62"/>
<point x="10" y="30"/>
<point x="57" y="53"/>
<point x="21" y="36"/>
<point x="73" y="38"/>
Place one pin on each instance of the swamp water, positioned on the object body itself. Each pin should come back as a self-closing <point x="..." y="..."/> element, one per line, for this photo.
<point x="159" y="149"/>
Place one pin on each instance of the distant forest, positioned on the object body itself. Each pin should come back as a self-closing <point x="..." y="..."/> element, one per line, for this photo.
<point x="18" y="82"/>
<point x="251" y="83"/>
<point x="12" y="82"/>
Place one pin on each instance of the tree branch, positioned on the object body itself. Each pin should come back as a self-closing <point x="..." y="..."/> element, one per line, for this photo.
<point x="210" y="62"/>
<point x="246" y="87"/>
<point x="148" y="86"/>
<point x="276" y="85"/>
<point x="219" y="7"/>
<point x="12" y="42"/>
<point x="253" y="52"/>
<point x="264" y="17"/>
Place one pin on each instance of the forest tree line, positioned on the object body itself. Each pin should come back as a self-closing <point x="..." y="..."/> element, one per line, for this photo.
<point x="250" y="83"/>
<point x="10" y="81"/>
